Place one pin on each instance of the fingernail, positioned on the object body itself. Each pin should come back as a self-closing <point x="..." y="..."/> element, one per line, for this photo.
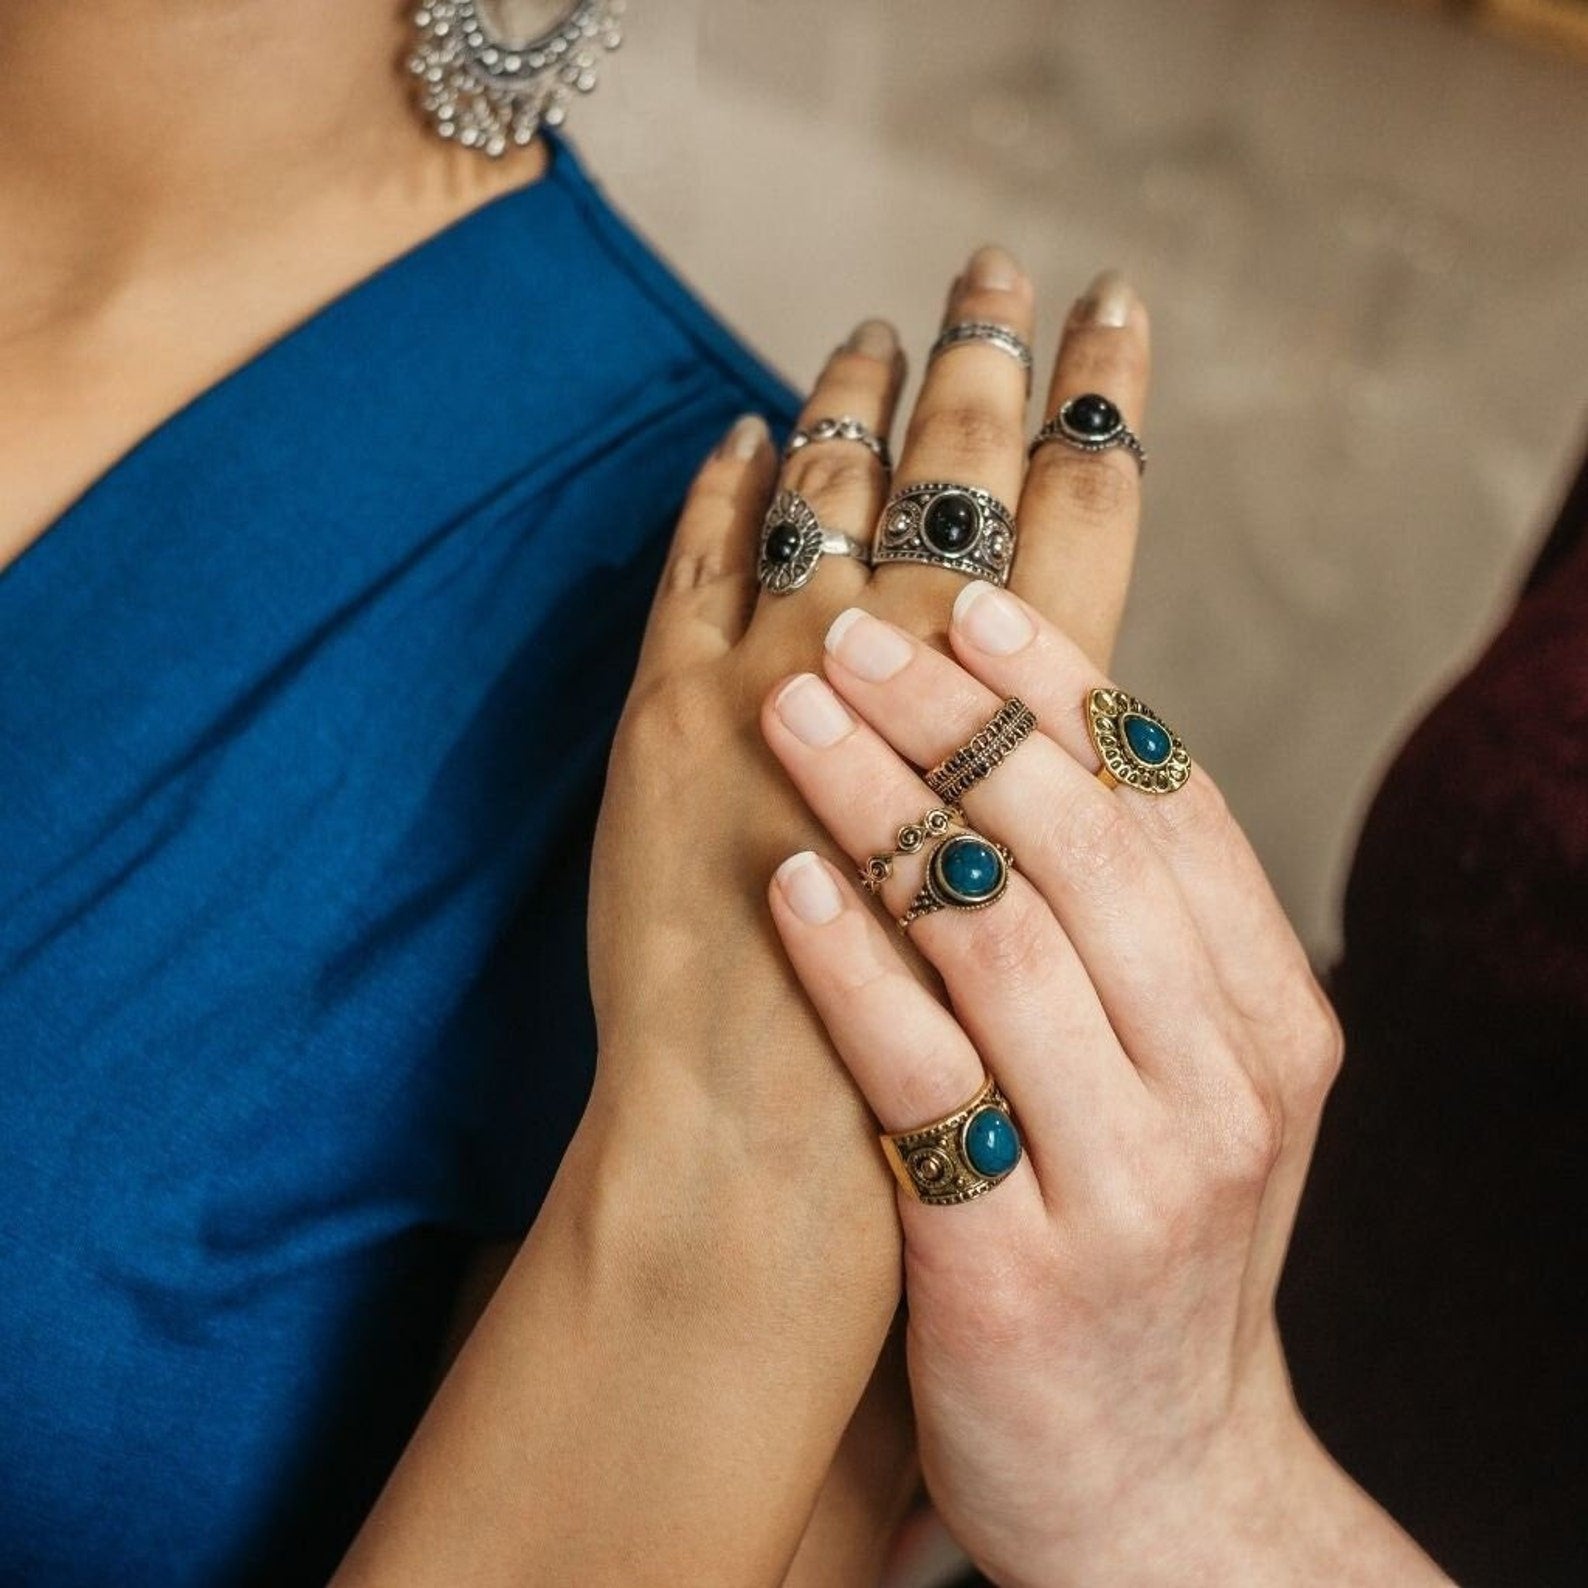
<point x="809" y="890"/>
<point x="867" y="646"/>
<point x="1108" y="302"/>
<point x="993" y="267"/>
<point x="812" y="712"/>
<point x="748" y="435"/>
<point x="992" y="621"/>
<point x="875" y="339"/>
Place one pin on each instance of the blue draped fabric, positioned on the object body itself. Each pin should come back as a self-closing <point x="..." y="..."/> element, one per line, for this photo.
<point x="303" y="712"/>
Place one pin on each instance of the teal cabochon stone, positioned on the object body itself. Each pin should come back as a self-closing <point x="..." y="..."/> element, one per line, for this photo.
<point x="970" y="867"/>
<point x="1149" y="741"/>
<point x="992" y="1144"/>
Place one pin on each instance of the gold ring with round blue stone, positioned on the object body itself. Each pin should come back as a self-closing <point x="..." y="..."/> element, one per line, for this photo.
<point x="964" y="872"/>
<point x="1136" y="746"/>
<point x="960" y="1156"/>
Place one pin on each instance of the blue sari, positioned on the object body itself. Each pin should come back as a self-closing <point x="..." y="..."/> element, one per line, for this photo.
<point x="304" y="708"/>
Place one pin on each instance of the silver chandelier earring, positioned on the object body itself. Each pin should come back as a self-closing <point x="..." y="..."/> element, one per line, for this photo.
<point x="491" y="72"/>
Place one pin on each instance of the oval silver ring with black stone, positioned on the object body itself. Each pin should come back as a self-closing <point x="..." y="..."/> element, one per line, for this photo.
<point x="947" y="525"/>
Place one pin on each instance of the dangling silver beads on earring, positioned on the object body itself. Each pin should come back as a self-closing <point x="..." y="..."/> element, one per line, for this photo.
<point x="493" y="94"/>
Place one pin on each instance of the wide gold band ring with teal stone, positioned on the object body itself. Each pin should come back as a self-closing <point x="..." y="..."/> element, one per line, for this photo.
<point x="961" y="1156"/>
<point x="1004" y="732"/>
<point x="794" y="541"/>
<point x="1136" y="746"/>
<point x="964" y="872"/>
<point x="958" y="527"/>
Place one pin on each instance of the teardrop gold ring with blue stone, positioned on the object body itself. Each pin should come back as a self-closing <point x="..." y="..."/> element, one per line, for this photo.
<point x="961" y="1156"/>
<point x="1136" y="746"/>
<point x="794" y="541"/>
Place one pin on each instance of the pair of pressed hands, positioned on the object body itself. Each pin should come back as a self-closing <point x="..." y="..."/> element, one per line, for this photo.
<point x="1099" y="1383"/>
<point x="670" y="1385"/>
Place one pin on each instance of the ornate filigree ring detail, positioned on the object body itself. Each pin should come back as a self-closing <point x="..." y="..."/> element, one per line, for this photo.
<point x="841" y="429"/>
<point x="794" y="541"/>
<point x="960" y="1156"/>
<point x="989" y="332"/>
<point x="1004" y="732"/>
<point x="909" y="840"/>
<point x="957" y="527"/>
<point x="1091" y="423"/>
<point x="964" y="872"/>
<point x="1136" y="746"/>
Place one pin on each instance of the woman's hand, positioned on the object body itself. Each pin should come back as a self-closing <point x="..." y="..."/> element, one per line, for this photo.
<point x="1099" y="1386"/>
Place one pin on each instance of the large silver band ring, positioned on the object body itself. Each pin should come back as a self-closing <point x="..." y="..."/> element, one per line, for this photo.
<point x="1004" y="732"/>
<point x="794" y="541"/>
<point x="994" y="335"/>
<point x="845" y="428"/>
<point x="961" y="1156"/>
<point x="957" y="527"/>
<point x="1091" y="423"/>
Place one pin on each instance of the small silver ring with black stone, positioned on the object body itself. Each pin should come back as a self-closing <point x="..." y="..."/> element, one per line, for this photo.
<point x="1091" y="423"/>
<point x="988" y="748"/>
<point x="794" y="541"/>
<point x="988" y="331"/>
<point x="958" y="527"/>
<point x="844" y="428"/>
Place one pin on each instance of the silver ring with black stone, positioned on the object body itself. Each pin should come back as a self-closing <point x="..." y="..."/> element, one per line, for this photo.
<point x="794" y="541"/>
<point x="1091" y="423"/>
<point x="958" y="527"/>
<point x="988" y="331"/>
<point x="845" y="428"/>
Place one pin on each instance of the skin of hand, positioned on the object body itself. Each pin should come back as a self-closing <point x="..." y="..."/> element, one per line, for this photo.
<point x="665" y="1386"/>
<point x="1099" y="1383"/>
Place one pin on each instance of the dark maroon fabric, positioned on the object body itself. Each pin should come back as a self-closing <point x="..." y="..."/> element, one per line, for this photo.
<point x="1434" y="1303"/>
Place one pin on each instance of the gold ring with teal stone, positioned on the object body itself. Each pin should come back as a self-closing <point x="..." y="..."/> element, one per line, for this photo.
<point x="960" y="1156"/>
<point x="964" y="872"/>
<point x="1136" y="746"/>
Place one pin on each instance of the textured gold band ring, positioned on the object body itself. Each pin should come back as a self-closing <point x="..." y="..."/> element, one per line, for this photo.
<point x="1004" y="732"/>
<point x="960" y="1156"/>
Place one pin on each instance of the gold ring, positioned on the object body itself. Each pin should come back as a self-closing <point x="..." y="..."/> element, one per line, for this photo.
<point x="909" y="840"/>
<point x="1003" y="733"/>
<point x="960" y="1156"/>
<point x="1136" y="746"/>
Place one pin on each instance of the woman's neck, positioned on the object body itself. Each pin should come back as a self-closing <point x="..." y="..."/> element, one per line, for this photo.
<point x="135" y="133"/>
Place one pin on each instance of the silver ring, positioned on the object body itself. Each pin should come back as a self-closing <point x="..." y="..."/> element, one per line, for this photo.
<point x="1091" y="423"/>
<point x="994" y="335"/>
<point x="957" y="527"/>
<point x="794" y="540"/>
<point x="843" y="429"/>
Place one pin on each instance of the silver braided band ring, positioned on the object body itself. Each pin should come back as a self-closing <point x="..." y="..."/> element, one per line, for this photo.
<point x="843" y="429"/>
<point x="1091" y="423"/>
<point x="1003" y="733"/>
<point x="999" y="336"/>
<point x="957" y="527"/>
<point x="793" y="543"/>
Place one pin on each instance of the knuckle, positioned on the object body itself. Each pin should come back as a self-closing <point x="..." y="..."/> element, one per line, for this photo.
<point x="963" y="430"/>
<point x="826" y="474"/>
<point x="1251" y="1138"/>
<point x="1320" y="1047"/>
<point x="1005" y="944"/>
<point x="1096" y="842"/>
<point x="1092" y="487"/>
<point x="666" y="712"/>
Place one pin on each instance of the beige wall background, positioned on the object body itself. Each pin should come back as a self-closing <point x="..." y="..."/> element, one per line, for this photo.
<point x="1363" y="231"/>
